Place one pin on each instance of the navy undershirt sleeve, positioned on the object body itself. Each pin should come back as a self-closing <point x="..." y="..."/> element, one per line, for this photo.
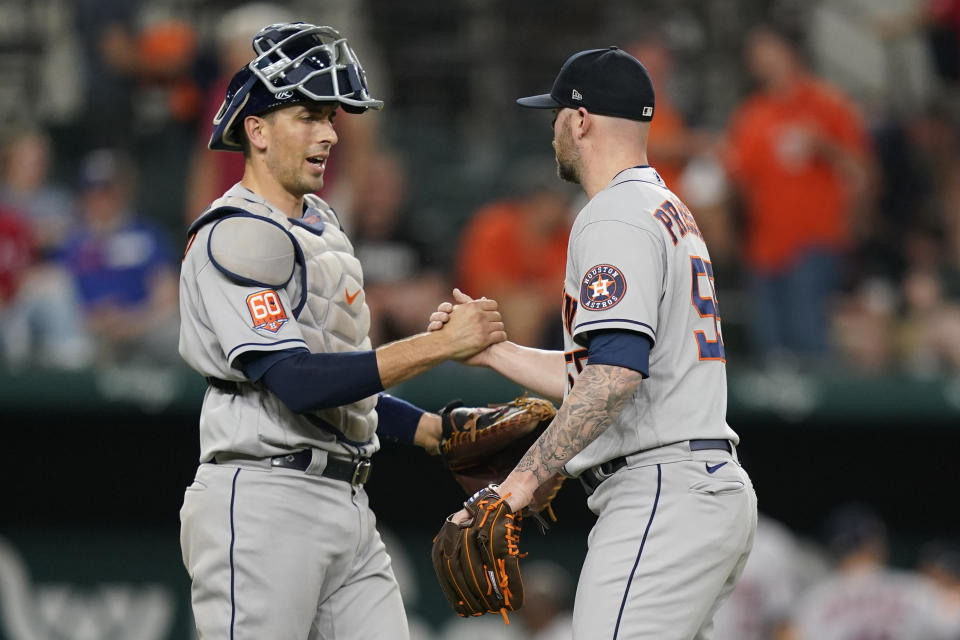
<point x="307" y="381"/>
<point x="255" y="363"/>
<point x="620" y="348"/>
<point x="397" y="419"/>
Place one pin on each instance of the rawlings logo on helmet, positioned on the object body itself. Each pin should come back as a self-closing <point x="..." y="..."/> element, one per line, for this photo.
<point x="295" y="62"/>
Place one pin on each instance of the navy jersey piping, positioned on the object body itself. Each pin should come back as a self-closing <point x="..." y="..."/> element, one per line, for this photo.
<point x="636" y="562"/>
<point x="263" y="344"/>
<point x="656" y="184"/>
<point x="233" y="539"/>
<point x="642" y="324"/>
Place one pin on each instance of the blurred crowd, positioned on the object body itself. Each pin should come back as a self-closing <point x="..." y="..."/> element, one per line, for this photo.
<point x="822" y="164"/>
<point x="839" y="586"/>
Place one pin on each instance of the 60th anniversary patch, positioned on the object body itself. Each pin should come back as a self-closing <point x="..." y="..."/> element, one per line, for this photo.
<point x="602" y="287"/>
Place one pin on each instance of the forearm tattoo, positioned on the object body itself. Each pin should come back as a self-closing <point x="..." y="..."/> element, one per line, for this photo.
<point x="592" y="405"/>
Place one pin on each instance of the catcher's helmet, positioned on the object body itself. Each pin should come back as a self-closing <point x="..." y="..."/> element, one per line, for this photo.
<point x="295" y="62"/>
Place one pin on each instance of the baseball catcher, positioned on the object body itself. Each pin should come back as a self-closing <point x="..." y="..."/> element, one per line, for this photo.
<point x="477" y="561"/>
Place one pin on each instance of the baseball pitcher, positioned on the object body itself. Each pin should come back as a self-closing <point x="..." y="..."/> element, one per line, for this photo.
<point x="642" y="377"/>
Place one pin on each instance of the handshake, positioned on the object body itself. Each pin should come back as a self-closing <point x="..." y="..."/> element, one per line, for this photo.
<point x="467" y="326"/>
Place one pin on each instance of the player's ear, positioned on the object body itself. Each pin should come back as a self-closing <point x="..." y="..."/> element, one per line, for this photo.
<point x="581" y="122"/>
<point x="256" y="129"/>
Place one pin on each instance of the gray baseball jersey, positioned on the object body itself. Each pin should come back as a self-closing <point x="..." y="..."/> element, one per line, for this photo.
<point x="636" y="261"/>
<point x="675" y="524"/>
<point x="321" y="306"/>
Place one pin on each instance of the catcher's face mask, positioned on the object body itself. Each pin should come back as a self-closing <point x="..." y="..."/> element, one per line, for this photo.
<point x="295" y="62"/>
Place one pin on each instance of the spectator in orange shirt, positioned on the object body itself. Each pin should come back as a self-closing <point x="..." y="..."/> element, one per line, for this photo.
<point x="514" y="250"/>
<point x="797" y="151"/>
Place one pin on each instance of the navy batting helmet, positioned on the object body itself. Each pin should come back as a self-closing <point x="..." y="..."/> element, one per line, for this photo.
<point x="295" y="62"/>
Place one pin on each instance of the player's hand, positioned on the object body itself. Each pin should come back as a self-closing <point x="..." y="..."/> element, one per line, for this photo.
<point x="472" y="327"/>
<point x="429" y="432"/>
<point x="440" y="317"/>
<point x="515" y="502"/>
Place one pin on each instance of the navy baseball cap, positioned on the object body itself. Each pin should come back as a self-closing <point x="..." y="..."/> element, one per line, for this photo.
<point x="608" y="82"/>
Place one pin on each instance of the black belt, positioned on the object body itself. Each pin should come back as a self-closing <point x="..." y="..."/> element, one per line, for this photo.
<point x="592" y="477"/>
<point x="353" y="471"/>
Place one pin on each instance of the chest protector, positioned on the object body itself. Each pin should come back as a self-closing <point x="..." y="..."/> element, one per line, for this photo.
<point x="326" y="289"/>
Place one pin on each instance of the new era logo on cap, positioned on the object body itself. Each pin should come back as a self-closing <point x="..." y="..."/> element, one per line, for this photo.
<point x="576" y="95"/>
<point x="647" y="111"/>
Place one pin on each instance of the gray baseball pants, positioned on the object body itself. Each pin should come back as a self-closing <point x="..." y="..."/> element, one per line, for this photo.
<point x="673" y="533"/>
<point x="282" y="554"/>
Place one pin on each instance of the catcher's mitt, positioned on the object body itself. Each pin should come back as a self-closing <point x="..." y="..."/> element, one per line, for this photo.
<point x="477" y="561"/>
<point x="482" y="445"/>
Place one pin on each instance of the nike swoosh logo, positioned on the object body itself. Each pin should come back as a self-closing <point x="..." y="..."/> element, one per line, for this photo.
<point x="351" y="298"/>
<point x="714" y="467"/>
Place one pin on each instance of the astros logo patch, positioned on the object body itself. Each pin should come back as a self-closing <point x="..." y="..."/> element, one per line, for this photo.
<point x="602" y="288"/>
<point x="266" y="310"/>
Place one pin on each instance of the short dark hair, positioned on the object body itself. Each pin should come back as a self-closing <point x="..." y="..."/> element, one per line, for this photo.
<point x="244" y="140"/>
